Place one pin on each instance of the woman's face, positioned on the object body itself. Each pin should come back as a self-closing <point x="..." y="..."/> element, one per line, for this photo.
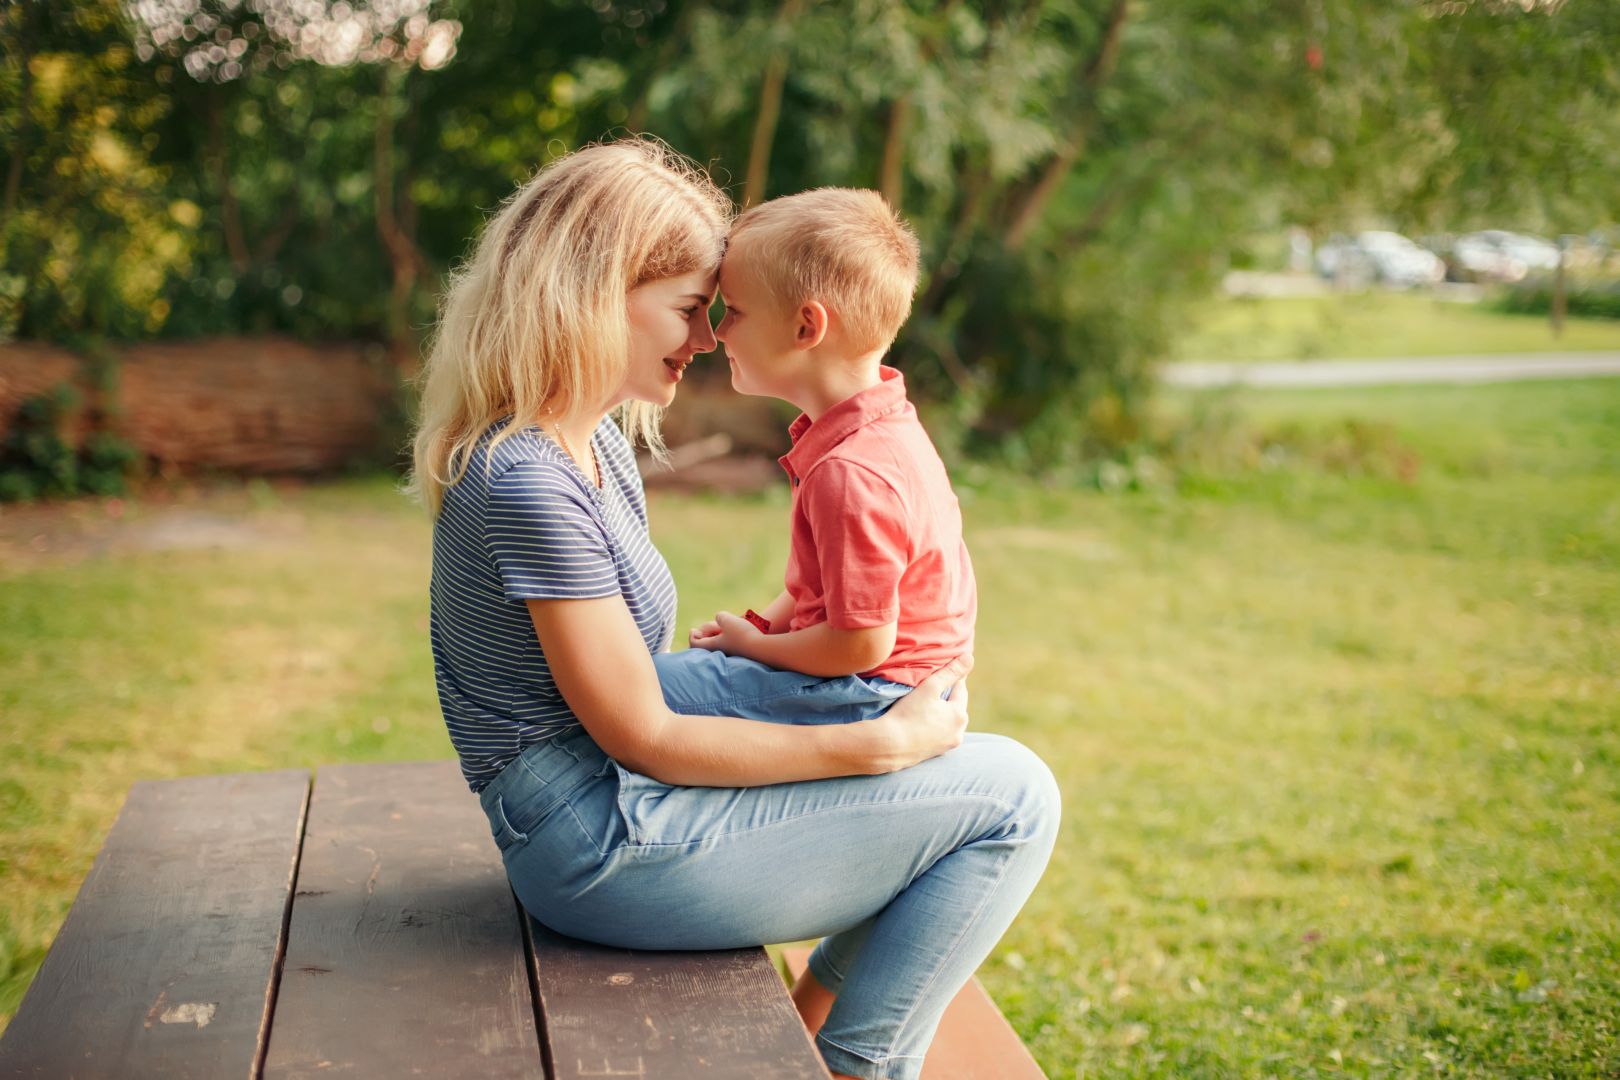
<point x="669" y="324"/>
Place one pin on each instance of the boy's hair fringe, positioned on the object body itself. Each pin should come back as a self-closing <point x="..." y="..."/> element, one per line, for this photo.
<point x="845" y="247"/>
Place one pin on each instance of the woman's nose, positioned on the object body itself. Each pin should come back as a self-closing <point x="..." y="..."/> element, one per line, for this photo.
<point x="705" y="336"/>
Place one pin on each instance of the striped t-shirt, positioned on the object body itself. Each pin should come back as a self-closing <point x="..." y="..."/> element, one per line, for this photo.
<point x="533" y="527"/>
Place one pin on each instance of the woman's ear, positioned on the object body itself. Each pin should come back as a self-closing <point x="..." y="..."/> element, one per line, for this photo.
<point x="812" y="326"/>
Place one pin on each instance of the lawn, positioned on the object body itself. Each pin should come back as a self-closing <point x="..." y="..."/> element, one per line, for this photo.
<point x="1374" y="324"/>
<point x="1337" y="733"/>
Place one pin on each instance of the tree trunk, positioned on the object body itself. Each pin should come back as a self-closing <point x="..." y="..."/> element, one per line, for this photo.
<point x="398" y="245"/>
<point x="770" y="109"/>
<point x="230" y="212"/>
<point x="671" y="47"/>
<point x="25" y="99"/>
<point x="892" y="176"/>
<point x="1560" y="298"/>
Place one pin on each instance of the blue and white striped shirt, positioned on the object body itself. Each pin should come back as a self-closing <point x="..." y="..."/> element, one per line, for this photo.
<point x="533" y="527"/>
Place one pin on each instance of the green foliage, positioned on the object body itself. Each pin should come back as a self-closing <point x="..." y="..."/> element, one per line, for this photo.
<point x="1534" y="296"/>
<point x="1077" y="169"/>
<point x="37" y="460"/>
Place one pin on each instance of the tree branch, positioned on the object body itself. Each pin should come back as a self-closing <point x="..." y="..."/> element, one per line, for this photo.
<point x="1032" y="204"/>
<point x="770" y="109"/>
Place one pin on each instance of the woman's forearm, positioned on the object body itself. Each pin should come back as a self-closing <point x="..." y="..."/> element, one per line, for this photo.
<point x="728" y="751"/>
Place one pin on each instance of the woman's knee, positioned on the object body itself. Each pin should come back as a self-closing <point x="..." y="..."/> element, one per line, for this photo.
<point x="1027" y="783"/>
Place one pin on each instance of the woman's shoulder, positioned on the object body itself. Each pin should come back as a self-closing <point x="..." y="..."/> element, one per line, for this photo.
<point x="503" y="457"/>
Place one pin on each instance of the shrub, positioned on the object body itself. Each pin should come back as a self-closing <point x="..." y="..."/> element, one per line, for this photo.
<point x="1533" y="296"/>
<point x="37" y="461"/>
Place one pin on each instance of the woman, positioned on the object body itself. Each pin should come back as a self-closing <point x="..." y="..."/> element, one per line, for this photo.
<point x="908" y="844"/>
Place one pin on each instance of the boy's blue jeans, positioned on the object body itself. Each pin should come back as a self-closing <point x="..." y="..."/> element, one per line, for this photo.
<point x="699" y="682"/>
<point x="909" y="878"/>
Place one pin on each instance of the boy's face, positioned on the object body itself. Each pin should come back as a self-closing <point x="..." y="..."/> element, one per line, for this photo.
<point x="758" y="335"/>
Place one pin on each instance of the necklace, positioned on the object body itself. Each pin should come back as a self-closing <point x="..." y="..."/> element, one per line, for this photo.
<point x="596" y="469"/>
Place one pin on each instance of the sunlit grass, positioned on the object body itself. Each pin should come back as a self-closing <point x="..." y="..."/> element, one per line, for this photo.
<point x="1338" y="750"/>
<point x="1375" y="324"/>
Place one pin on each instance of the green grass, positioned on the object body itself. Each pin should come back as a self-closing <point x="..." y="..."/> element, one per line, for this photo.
<point x="1338" y="746"/>
<point x="1374" y="324"/>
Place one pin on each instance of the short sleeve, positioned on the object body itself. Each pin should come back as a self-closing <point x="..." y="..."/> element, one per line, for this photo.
<point x="858" y="525"/>
<point x="547" y="541"/>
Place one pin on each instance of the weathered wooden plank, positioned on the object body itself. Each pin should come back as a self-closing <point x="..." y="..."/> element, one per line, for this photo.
<point x="405" y="954"/>
<point x="973" y="1041"/>
<point x="618" y="1012"/>
<point x="166" y="964"/>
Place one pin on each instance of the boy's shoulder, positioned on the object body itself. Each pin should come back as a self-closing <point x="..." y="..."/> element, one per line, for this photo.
<point x="894" y="447"/>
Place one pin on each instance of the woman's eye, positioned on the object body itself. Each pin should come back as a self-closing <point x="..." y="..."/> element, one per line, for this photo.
<point x="689" y="312"/>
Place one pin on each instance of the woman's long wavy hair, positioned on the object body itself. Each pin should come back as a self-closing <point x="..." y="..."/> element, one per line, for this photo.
<point x="535" y="322"/>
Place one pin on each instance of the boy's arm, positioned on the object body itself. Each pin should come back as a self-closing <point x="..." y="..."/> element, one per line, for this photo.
<point x="816" y="650"/>
<point x="779" y="613"/>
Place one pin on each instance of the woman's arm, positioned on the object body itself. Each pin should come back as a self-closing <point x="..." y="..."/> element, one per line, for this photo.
<point x="602" y="668"/>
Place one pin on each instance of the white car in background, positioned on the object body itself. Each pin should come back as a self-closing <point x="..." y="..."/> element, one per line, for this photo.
<point x="1398" y="261"/>
<point x="1474" y="258"/>
<point x="1537" y="255"/>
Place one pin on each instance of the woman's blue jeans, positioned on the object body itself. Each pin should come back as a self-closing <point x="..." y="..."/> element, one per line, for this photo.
<point x="910" y="878"/>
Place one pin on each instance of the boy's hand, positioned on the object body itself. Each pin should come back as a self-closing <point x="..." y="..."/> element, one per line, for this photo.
<point x="708" y="629"/>
<point x="726" y="633"/>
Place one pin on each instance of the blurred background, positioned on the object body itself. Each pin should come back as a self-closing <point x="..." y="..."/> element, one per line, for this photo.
<point x="1268" y="343"/>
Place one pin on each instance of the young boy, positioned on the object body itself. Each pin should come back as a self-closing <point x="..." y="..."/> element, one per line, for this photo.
<point x="879" y="588"/>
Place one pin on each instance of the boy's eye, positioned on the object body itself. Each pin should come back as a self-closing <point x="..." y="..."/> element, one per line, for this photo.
<point x="689" y="311"/>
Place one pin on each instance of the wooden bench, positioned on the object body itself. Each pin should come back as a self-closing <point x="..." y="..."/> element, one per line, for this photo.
<point x="253" y="925"/>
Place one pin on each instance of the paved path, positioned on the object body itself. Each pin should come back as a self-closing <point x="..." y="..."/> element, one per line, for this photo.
<point x="1434" y="369"/>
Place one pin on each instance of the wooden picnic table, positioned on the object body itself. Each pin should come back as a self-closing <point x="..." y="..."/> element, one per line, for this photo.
<point x="256" y="925"/>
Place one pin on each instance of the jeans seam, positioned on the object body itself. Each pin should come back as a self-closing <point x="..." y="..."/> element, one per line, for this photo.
<point x="879" y="1061"/>
<point x="704" y="708"/>
<point x="583" y="830"/>
<point x="807" y="814"/>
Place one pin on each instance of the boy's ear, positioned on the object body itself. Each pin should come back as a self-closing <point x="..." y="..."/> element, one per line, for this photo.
<point x="812" y="325"/>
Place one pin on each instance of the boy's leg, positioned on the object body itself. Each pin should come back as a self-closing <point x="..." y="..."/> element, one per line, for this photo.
<point x="701" y="682"/>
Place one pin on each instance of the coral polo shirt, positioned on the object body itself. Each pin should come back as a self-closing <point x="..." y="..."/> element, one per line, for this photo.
<point x="877" y="531"/>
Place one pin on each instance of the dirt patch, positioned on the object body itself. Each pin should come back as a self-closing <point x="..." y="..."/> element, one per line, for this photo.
<point x="179" y="518"/>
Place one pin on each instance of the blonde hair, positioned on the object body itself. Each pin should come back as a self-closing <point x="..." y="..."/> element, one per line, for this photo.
<point x="536" y="320"/>
<point x="842" y="246"/>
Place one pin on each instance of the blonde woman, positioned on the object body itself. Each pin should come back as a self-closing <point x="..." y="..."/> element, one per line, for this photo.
<point x="904" y="842"/>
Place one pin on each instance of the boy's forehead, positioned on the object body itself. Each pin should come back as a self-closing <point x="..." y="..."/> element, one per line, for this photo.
<point x="735" y="271"/>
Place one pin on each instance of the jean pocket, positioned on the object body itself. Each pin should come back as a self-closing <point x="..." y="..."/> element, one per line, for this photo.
<point x="500" y="826"/>
<point x="638" y="797"/>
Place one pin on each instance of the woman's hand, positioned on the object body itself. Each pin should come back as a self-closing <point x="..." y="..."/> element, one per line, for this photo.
<point x="925" y="723"/>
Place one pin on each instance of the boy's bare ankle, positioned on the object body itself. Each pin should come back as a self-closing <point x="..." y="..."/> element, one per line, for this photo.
<point x="813" y="1001"/>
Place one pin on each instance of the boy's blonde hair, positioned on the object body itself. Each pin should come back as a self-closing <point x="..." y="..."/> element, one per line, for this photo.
<point x="842" y="246"/>
<point x="536" y="319"/>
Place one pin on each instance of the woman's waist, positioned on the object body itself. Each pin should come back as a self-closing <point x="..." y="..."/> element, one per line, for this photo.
<point x="547" y="771"/>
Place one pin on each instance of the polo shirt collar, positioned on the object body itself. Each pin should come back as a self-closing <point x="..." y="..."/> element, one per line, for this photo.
<point x="813" y="441"/>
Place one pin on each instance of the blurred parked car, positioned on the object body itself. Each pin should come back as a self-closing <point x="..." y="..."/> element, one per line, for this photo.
<point x="1536" y="254"/>
<point x="1471" y="258"/>
<point x="1376" y="255"/>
